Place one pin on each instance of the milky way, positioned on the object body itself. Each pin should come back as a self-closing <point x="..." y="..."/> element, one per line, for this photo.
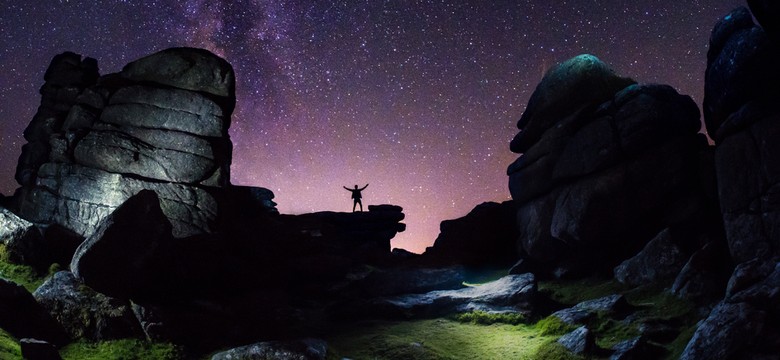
<point x="419" y="99"/>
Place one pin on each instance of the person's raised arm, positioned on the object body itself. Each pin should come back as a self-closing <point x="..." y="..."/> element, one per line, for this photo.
<point x="364" y="187"/>
<point x="346" y="188"/>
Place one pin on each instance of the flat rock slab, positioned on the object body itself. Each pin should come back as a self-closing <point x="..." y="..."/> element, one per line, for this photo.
<point x="510" y="293"/>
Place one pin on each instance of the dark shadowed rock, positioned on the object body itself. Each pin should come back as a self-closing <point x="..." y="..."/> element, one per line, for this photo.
<point x="704" y="275"/>
<point x="305" y="349"/>
<point x="580" y="341"/>
<point x="411" y="281"/>
<point x="510" y="293"/>
<point x="559" y="93"/>
<point x="124" y="254"/>
<point x="486" y="236"/>
<point x="60" y="244"/>
<point x="743" y="69"/>
<point x="767" y="12"/>
<point x="637" y="349"/>
<point x="728" y="330"/>
<point x="66" y="77"/>
<point x="606" y="172"/>
<point x="85" y="313"/>
<point x="22" y="317"/>
<point x="661" y="259"/>
<point x="185" y="68"/>
<point x="33" y="349"/>
<point x="743" y="325"/>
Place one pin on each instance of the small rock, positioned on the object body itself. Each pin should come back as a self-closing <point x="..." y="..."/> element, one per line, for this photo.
<point x="579" y="341"/>
<point x="33" y="349"/>
<point x="305" y="349"/>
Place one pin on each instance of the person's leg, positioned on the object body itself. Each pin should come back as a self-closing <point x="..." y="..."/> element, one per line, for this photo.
<point x="361" y="205"/>
<point x="354" y="204"/>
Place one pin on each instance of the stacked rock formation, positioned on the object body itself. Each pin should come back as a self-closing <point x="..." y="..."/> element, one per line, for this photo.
<point x="741" y="115"/>
<point x="160" y="124"/>
<point x="606" y="164"/>
<point x="740" y="111"/>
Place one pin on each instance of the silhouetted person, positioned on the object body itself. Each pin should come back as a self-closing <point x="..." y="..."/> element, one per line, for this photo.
<point x="356" y="196"/>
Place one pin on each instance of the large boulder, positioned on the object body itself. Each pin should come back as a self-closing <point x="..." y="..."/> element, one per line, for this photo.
<point x="85" y="313"/>
<point x="602" y="173"/>
<point x="162" y="124"/>
<point x="742" y="118"/>
<point x="23" y="317"/>
<point x="124" y="255"/>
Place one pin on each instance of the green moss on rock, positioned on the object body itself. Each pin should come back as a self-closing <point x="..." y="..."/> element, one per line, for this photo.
<point x="125" y="349"/>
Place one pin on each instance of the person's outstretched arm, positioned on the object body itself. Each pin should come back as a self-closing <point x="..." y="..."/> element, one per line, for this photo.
<point x="346" y="188"/>
<point x="364" y="187"/>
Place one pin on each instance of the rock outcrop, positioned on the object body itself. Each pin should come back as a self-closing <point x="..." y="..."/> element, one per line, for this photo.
<point x="160" y="124"/>
<point x="486" y="236"/>
<point x="606" y="164"/>
<point x="742" y="117"/>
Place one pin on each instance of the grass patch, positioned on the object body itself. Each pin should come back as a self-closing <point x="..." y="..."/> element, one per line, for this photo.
<point x="609" y="332"/>
<point x="125" y="349"/>
<point x="9" y="347"/>
<point x="486" y="318"/>
<point x="435" y="339"/>
<point x="553" y="326"/>
<point x="552" y="350"/>
<point x="21" y="274"/>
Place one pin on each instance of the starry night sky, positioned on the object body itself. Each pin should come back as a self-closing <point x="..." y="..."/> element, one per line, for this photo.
<point x="417" y="98"/>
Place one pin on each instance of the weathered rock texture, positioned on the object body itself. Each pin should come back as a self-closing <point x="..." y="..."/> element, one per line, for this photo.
<point x="740" y="110"/>
<point x="160" y="124"/>
<point x="606" y="164"/>
<point x="85" y="313"/>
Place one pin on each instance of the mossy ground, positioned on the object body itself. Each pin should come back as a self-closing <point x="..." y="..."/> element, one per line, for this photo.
<point x="21" y="274"/>
<point x="127" y="349"/>
<point x="435" y="339"/>
<point x="9" y="347"/>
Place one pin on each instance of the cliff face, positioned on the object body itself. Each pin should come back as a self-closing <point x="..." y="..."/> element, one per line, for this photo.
<point x="160" y="124"/>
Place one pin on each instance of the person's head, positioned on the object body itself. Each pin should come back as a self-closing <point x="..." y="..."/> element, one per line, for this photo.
<point x="356" y="187"/>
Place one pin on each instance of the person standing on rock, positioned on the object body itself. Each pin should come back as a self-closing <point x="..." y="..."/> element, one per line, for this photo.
<point x="356" y="196"/>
